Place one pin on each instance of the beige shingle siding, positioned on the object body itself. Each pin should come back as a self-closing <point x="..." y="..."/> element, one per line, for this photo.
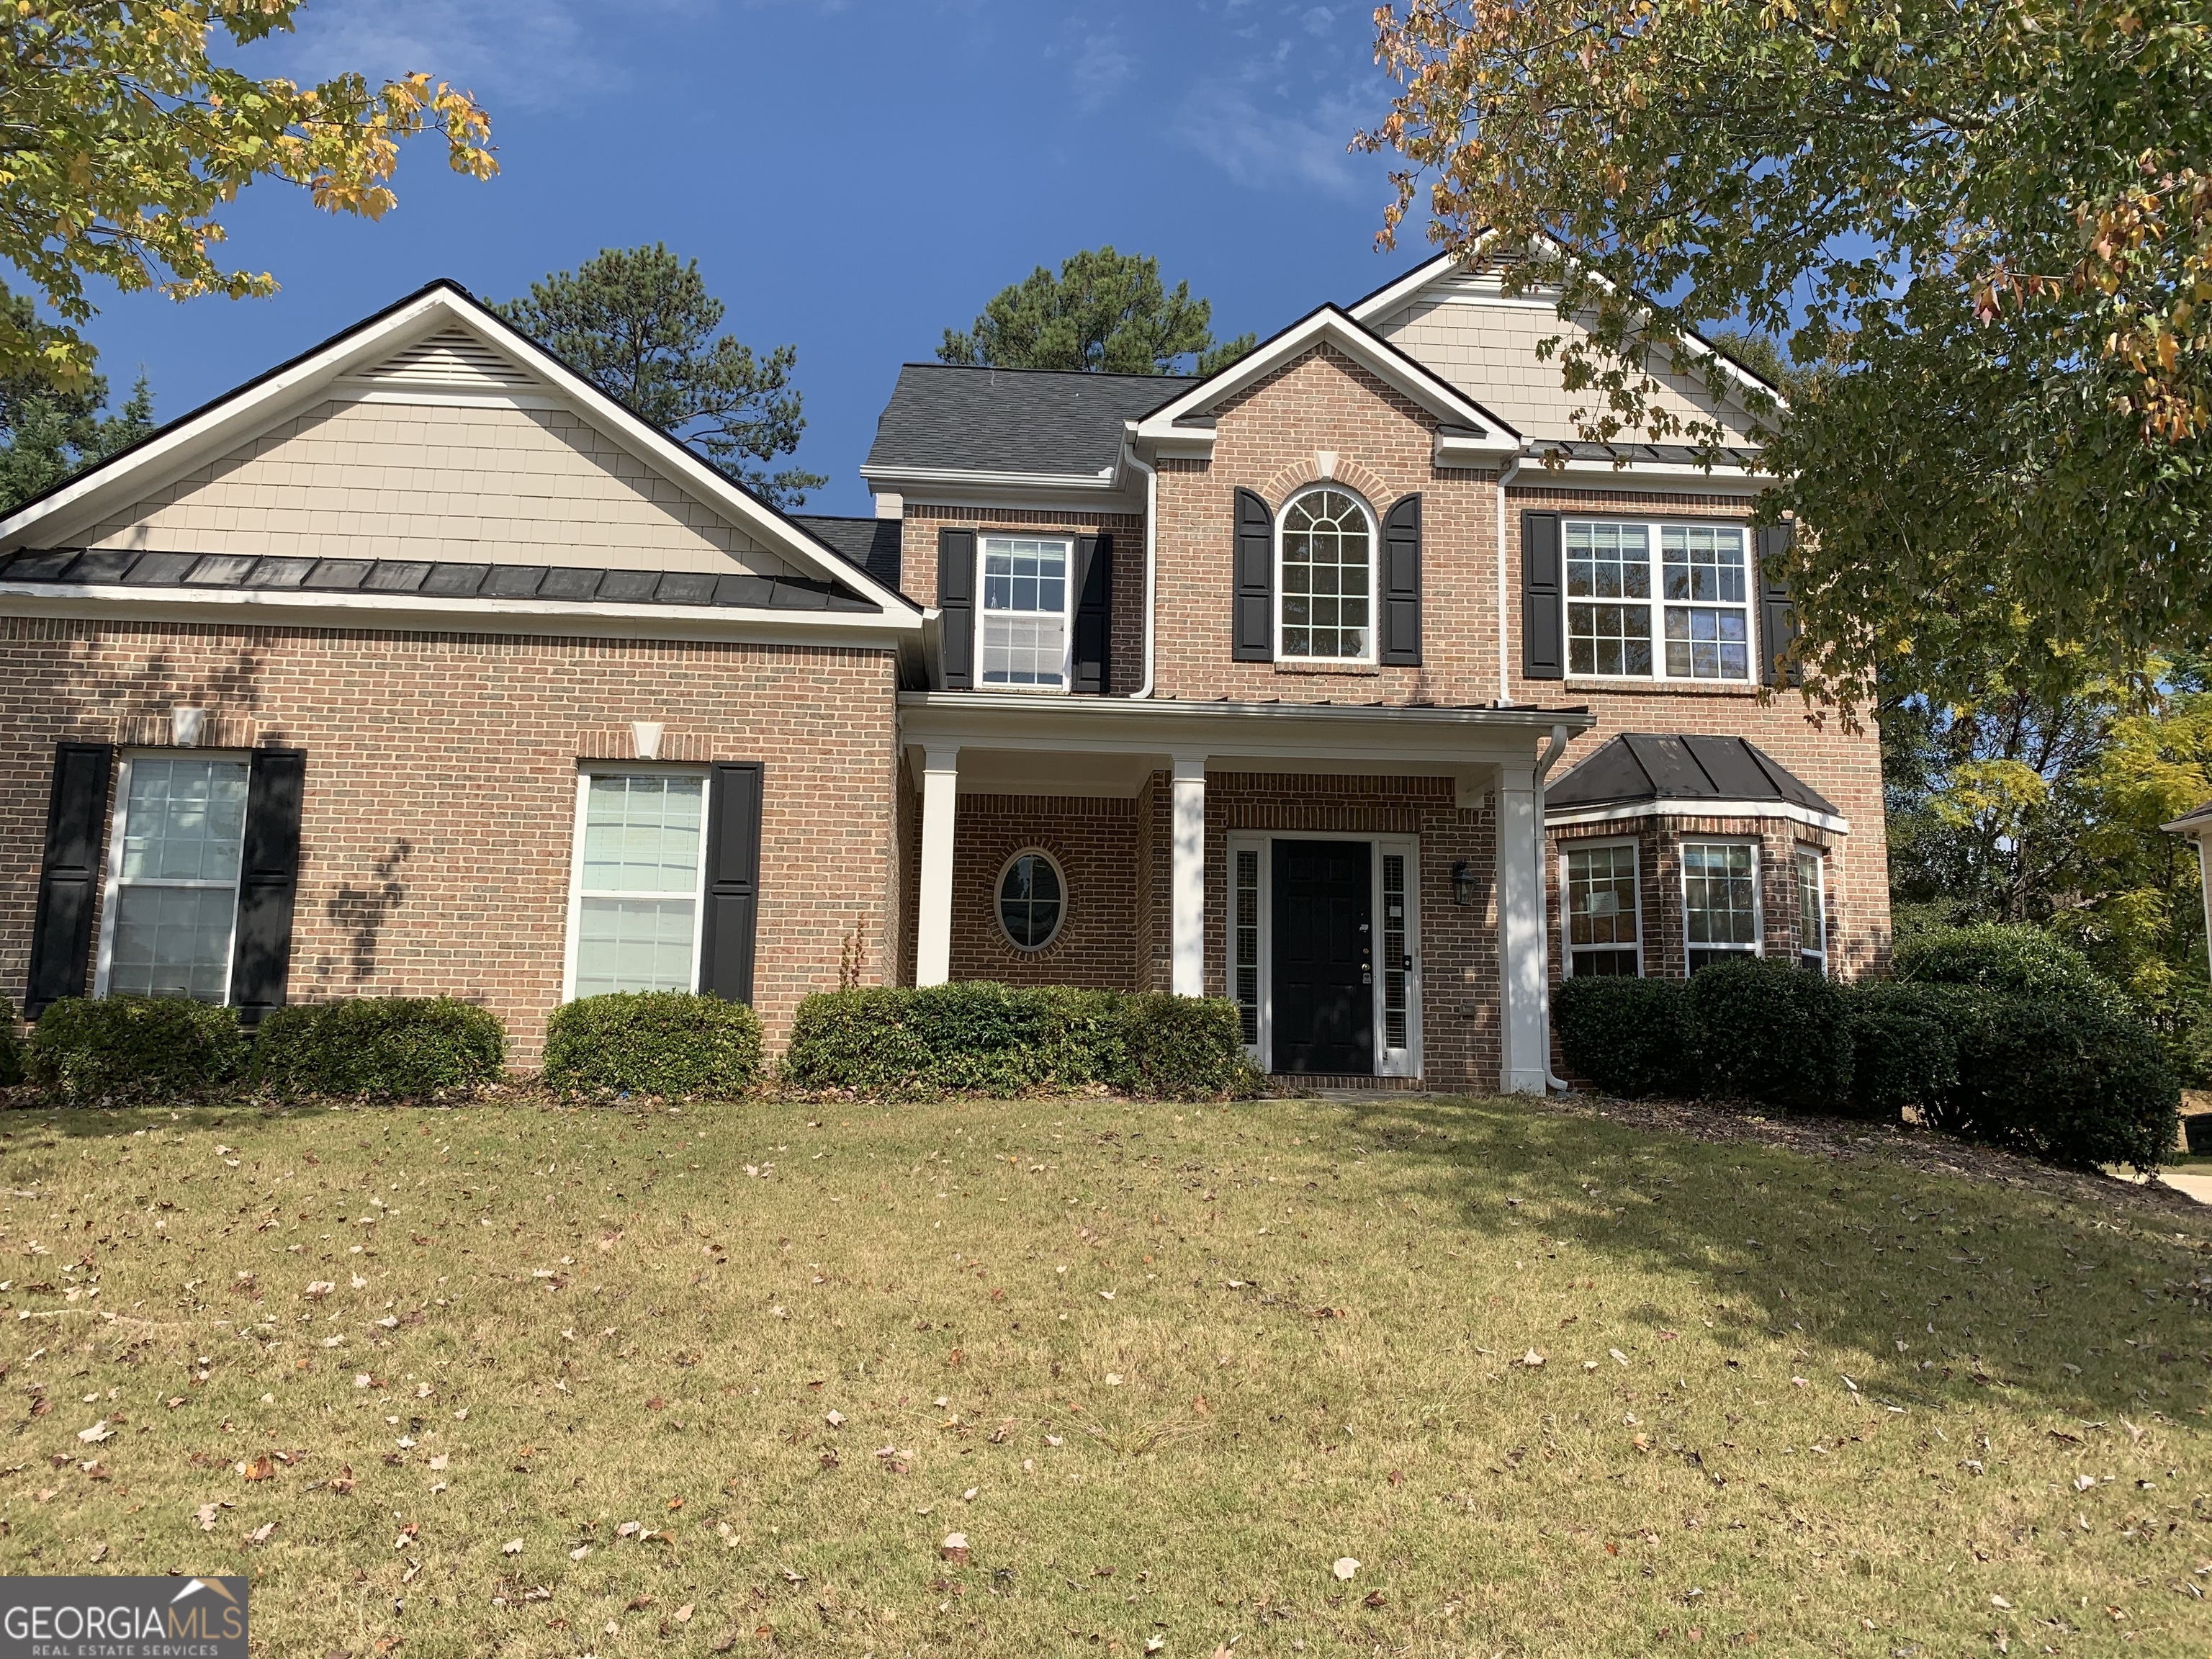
<point x="1489" y="352"/>
<point x="482" y="483"/>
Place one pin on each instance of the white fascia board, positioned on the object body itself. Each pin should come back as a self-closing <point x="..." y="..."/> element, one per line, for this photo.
<point x="1673" y="477"/>
<point x="1330" y="326"/>
<point x="235" y="420"/>
<point x="1788" y="811"/>
<point x="276" y="608"/>
<point x="1439" y="740"/>
<point x="1110" y="491"/>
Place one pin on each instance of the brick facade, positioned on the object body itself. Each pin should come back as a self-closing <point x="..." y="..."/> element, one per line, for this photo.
<point x="439" y="812"/>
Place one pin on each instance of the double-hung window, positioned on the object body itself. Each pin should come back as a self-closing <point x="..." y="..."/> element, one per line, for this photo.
<point x="1719" y="901"/>
<point x="1602" y="936"/>
<point x="634" y="922"/>
<point x="1025" y="632"/>
<point x="1812" y="910"/>
<point x="1690" y="619"/>
<point x="1328" y="587"/>
<point x="172" y="877"/>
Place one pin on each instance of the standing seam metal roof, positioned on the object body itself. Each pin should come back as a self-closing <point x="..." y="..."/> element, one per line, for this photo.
<point x="1641" y="766"/>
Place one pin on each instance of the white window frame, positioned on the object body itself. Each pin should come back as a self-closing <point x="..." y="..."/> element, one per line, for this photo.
<point x="998" y="893"/>
<point x="1758" y="945"/>
<point x="983" y="613"/>
<point x="1388" y="1062"/>
<point x="1374" y="576"/>
<point x="1567" y="945"/>
<point x="576" y="894"/>
<point x="1656" y="606"/>
<point x="1820" y="856"/>
<point x="111" y="889"/>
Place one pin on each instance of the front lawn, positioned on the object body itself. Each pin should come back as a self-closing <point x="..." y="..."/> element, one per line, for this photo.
<point x="516" y="1379"/>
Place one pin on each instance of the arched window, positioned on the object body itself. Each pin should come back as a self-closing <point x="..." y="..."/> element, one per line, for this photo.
<point x="1327" y="569"/>
<point x="1032" y="899"/>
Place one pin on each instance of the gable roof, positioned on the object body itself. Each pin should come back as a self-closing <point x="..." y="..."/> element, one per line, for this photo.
<point x="1395" y="294"/>
<point x="1041" y="425"/>
<point x="1639" y="772"/>
<point x="872" y="544"/>
<point x="1331" y="326"/>
<point x="440" y="344"/>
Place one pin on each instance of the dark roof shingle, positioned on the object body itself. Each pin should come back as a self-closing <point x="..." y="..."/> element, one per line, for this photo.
<point x="944" y="417"/>
<point x="1642" y="766"/>
<point x="871" y="543"/>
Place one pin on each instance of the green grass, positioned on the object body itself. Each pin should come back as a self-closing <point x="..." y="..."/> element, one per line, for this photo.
<point x="1162" y="1365"/>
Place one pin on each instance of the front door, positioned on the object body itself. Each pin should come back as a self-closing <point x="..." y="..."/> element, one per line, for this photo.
<point x="1324" y="957"/>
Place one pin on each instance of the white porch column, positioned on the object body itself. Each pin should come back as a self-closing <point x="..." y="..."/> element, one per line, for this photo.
<point x="941" y="795"/>
<point x="1187" y="880"/>
<point x="1520" y="932"/>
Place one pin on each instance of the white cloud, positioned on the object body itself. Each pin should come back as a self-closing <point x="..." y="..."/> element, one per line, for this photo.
<point x="515" y="52"/>
<point x="1100" y="70"/>
<point x="1266" y="147"/>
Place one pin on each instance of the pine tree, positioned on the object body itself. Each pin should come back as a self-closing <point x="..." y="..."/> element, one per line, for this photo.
<point x="1106" y="312"/>
<point x="46" y="433"/>
<point x="639" y="324"/>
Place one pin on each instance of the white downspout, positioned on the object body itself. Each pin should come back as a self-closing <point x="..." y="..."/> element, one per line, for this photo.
<point x="1505" y="477"/>
<point x="1545" y="762"/>
<point x="1151" y="559"/>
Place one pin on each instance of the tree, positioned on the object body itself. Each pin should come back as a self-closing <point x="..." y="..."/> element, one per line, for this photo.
<point x="639" y="324"/>
<point x="121" y="141"/>
<point x="1989" y="227"/>
<point x="1105" y="313"/>
<point x="46" y="432"/>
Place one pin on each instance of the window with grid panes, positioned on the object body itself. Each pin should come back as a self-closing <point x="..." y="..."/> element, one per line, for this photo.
<point x="176" y="877"/>
<point x="1693" y="622"/>
<point x="1812" y="910"/>
<point x="638" y="896"/>
<point x="1603" y="939"/>
<point x="1396" y="964"/>
<point x="1248" y="944"/>
<point x="1720" y="901"/>
<point x="1328" y="577"/>
<point x="1025" y="612"/>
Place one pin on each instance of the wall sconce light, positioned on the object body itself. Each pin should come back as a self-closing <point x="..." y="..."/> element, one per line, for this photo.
<point x="185" y="725"/>
<point x="644" y="736"/>
<point x="1462" y="884"/>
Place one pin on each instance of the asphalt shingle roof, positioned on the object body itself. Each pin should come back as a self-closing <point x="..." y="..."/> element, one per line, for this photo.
<point x="429" y="578"/>
<point x="871" y="543"/>
<point x="1004" y="420"/>
<point x="1641" y="766"/>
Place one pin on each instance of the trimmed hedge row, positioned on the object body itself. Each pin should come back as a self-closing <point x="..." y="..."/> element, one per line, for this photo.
<point x="382" y="1047"/>
<point x="2048" y="1071"/>
<point x="653" y="1043"/>
<point x="984" y="1038"/>
<point x="124" y="1048"/>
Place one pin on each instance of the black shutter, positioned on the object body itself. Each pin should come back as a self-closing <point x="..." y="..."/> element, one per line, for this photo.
<point x="1543" y="639"/>
<point x="1255" y="628"/>
<point x="1094" y="614"/>
<point x="1777" y="616"/>
<point x="733" y="837"/>
<point x="69" y="879"/>
<point x="956" y="604"/>
<point x="268" y="882"/>
<point x="1401" y="585"/>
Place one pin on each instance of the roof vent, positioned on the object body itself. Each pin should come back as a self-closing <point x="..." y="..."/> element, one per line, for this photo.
<point x="455" y="360"/>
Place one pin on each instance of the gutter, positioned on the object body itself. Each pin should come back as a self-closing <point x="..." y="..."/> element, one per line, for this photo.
<point x="1152" y="558"/>
<point x="1545" y="762"/>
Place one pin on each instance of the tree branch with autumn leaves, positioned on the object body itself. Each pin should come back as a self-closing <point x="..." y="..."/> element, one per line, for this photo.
<point x="122" y="139"/>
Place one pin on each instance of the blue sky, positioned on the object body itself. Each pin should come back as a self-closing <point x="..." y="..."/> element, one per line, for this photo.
<point x="853" y="176"/>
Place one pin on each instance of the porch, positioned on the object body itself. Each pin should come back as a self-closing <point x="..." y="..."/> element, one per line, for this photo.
<point x="1365" y="882"/>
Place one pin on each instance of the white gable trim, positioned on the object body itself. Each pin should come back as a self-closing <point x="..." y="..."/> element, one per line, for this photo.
<point x="337" y="368"/>
<point x="1393" y="297"/>
<point x="1475" y="431"/>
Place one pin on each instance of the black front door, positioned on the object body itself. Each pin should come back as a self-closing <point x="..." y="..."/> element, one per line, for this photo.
<point x="1324" y="972"/>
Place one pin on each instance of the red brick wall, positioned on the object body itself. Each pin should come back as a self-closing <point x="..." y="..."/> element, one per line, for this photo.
<point x="1095" y="844"/>
<point x="440" y="800"/>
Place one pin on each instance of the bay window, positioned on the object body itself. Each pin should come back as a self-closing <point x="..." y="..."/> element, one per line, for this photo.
<point x="1603" y="937"/>
<point x="1719" y="901"/>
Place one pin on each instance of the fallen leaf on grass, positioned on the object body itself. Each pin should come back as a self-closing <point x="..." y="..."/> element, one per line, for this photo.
<point x="513" y="1547"/>
<point x="1532" y="1359"/>
<point x="205" y="1516"/>
<point x="259" y="1469"/>
<point x="1345" y="1569"/>
<point x="260" y="1534"/>
<point x="98" y="1432"/>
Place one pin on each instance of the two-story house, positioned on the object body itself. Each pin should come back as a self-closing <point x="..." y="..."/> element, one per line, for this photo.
<point x="1344" y="683"/>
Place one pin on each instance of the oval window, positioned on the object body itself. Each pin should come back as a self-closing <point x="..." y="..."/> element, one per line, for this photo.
<point x="1032" y="897"/>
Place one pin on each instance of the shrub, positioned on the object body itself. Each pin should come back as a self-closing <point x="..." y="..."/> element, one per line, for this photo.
<point x="653" y="1042"/>
<point x="11" y="1047"/>
<point x="1770" y="1031"/>
<point x="2018" y="960"/>
<point x="1900" y="1056"/>
<point x="975" y="1036"/>
<point x="389" y="1048"/>
<point x="90" y="1048"/>
<point x="2061" y="1082"/>
<point x="1184" y="1049"/>
<point x="1630" y="1036"/>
